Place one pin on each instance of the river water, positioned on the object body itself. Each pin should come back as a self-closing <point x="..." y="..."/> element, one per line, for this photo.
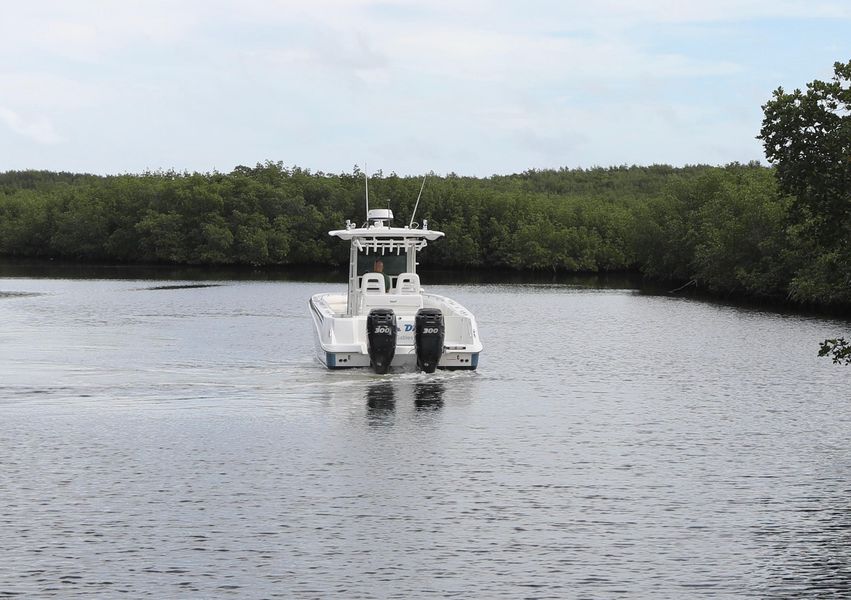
<point x="171" y="439"/>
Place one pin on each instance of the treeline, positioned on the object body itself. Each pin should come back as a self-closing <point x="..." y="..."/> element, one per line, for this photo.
<point x="726" y="229"/>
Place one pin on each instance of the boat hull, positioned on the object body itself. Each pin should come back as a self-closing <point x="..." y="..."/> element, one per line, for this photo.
<point x="340" y="341"/>
<point x="466" y="361"/>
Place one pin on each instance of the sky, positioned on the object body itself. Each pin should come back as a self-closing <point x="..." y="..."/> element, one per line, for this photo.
<point x="471" y="87"/>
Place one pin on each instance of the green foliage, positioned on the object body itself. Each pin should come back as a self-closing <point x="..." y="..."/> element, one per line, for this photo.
<point x="725" y="228"/>
<point x="27" y="223"/>
<point x="162" y="237"/>
<point x="740" y="236"/>
<point x="838" y="349"/>
<point x="808" y="136"/>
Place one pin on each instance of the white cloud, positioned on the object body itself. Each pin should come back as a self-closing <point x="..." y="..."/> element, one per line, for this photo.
<point x="53" y="92"/>
<point x="91" y="30"/>
<point x="483" y="84"/>
<point x="38" y="129"/>
<point x="613" y="17"/>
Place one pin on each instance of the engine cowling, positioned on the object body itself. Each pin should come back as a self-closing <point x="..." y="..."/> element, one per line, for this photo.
<point x="381" y="338"/>
<point x="428" y="337"/>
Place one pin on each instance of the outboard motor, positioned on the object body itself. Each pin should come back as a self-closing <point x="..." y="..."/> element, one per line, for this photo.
<point x="381" y="338"/>
<point x="428" y="337"/>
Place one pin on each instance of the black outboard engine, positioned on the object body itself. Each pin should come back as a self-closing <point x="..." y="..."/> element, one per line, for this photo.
<point x="381" y="338"/>
<point x="429" y="332"/>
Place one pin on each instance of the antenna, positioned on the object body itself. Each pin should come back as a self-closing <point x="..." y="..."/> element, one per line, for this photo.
<point x="366" y="184"/>
<point x="413" y="214"/>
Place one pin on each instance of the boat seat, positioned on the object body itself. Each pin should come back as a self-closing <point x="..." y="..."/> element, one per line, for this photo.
<point x="402" y="304"/>
<point x="407" y="283"/>
<point x="404" y="299"/>
<point x="372" y="283"/>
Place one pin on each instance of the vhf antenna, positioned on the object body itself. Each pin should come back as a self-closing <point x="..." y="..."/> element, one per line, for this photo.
<point x="366" y="184"/>
<point x="413" y="214"/>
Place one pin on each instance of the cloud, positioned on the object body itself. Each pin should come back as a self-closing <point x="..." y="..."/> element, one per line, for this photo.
<point x="91" y="30"/>
<point x="473" y="86"/>
<point x="49" y="92"/>
<point x="38" y="129"/>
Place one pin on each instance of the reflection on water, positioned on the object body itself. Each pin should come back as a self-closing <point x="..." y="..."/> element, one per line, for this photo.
<point x="382" y="398"/>
<point x="29" y="267"/>
<point x="429" y="395"/>
<point x="185" y="286"/>
<point x="61" y="269"/>
<point x="380" y="403"/>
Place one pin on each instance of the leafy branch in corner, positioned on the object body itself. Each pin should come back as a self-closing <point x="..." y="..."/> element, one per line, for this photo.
<point x="839" y="349"/>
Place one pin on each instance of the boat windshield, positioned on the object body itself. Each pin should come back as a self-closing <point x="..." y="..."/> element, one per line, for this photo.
<point x="393" y="263"/>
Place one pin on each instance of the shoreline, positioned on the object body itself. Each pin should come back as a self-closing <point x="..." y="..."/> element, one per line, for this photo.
<point x="50" y="268"/>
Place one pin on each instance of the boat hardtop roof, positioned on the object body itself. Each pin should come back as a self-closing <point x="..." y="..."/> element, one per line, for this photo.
<point x="384" y="232"/>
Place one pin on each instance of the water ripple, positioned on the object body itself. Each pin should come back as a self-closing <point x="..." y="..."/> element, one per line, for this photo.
<point x="188" y="445"/>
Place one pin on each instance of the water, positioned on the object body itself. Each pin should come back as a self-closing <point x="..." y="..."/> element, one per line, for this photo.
<point x="163" y="440"/>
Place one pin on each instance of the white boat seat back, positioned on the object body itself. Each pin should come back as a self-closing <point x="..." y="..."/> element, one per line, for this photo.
<point x="372" y="283"/>
<point x="407" y="283"/>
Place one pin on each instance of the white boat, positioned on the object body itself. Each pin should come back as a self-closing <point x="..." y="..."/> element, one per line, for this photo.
<point x="386" y="320"/>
